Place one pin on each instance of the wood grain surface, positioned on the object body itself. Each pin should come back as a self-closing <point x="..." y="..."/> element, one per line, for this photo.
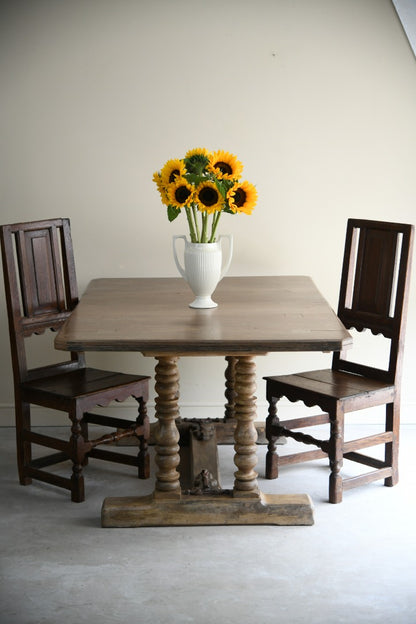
<point x="254" y="315"/>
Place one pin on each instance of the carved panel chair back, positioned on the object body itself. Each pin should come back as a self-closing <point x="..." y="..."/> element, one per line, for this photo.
<point x="41" y="292"/>
<point x="374" y="290"/>
<point x="374" y="296"/>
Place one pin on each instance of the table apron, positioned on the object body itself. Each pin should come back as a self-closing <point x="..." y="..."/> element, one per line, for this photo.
<point x="159" y="354"/>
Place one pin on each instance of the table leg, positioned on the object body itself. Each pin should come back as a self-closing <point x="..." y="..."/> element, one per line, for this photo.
<point x="225" y="429"/>
<point x="167" y="506"/>
<point x="167" y="437"/>
<point x="245" y="434"/>
<point x="230" y="387"/>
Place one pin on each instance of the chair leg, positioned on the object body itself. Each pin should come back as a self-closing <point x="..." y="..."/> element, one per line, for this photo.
<point x="85" y="434"/>
<point x="143" y="455"/>
<point x="77" y="445"/>
<point x="335" y="453"/>
<point x="392" y="448"/>
<point x="24" y="448"/>
<point x="272" y="458"/>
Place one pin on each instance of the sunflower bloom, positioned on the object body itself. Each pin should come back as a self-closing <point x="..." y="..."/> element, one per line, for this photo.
<point x="196" y="161"/>
<point x="172" y="169"/>
<point x="198" y="151"/>
<point x="225" y="165"/>
<point x="180" y="193"/>
<point x="242" y="197"/>
<point x="201" y="186"/>
<point x="208" y="198"/>
<point x="157" y="179"/>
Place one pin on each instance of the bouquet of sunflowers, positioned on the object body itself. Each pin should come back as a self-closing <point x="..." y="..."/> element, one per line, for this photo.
<point x="204" y="184"/>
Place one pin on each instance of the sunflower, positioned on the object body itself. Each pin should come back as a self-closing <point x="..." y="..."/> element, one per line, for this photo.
<point x="157" y="179"/>
<point x="242" y="197"/>
<point x="208" y="197"/>
<point x="171" y="170"/>
<point x="225" y="165"/>
<point x="180" y="193"/>
<point x="198" y="151"/>
<point x="196" y="160"/>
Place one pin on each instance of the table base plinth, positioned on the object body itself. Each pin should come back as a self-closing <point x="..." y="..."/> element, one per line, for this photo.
<point x="194" y="510"/>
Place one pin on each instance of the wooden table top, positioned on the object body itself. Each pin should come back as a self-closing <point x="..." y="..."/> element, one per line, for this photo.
<point x="255" y="315"/>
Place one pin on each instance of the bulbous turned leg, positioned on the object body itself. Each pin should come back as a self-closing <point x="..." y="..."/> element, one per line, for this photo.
<point x="230" y="387"/>
<point x="245" y="434"/>
<point x="335" y="453"/>
<point x="167" y="437"/>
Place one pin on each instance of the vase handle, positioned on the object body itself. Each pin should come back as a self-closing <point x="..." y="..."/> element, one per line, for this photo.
<point x="180" y="268"/>
<point x="230" y="253"/>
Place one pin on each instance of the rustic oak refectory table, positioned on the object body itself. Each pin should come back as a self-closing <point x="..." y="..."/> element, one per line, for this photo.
<point x="255" y="315"/>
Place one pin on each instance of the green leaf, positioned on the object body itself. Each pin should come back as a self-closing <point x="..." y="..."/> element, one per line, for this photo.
<point x="220" y="187"/>
<point x="223" y="186"/>
<point x="228" y="210"/>
<point x="173" y="212"/>
<point x="194" y="178"/>
<point x="196" y="163"/>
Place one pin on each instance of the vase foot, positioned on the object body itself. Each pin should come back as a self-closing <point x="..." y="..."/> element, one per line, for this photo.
<point x="203" y="302"/>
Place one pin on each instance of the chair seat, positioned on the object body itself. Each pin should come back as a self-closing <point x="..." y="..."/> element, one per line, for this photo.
<point x="330" y="384"/>
<point x="81" y="383"/>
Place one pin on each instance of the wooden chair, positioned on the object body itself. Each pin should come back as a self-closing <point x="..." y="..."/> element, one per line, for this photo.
<point x="373" y="295"/>
<point x="41" y="292"/>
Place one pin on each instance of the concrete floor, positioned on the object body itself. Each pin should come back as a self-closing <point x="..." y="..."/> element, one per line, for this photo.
<point x="356" y="564"/>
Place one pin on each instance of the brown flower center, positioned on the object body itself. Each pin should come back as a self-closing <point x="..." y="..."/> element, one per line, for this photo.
<point x="223" y="167"/>
<point x="181" y="194"/>
<point x="173" y="175"/>
<point x="208" y="196"/>
<point x="240" y="197"/>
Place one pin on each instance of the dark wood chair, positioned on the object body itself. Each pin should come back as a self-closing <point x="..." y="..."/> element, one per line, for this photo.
<point x="373" y="295"/>
<point x="41" y="292"/>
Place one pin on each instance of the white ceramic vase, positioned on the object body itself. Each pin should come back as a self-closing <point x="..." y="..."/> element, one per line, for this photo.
<point x="203" y="268"/>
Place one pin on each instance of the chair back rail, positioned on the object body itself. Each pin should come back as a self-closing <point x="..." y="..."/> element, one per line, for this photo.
<point x="374" y="290"/>
<point x="41" y="287"/>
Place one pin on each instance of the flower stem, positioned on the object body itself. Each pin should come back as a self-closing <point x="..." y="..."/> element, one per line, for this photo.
<point x="194" y="213"/>
<point x="191" y="225"/>
<point x="215" y="220"/>
<point x="204" y="236"/>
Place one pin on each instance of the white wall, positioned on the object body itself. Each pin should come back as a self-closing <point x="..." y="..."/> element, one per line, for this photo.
<point x="316" y="97"/>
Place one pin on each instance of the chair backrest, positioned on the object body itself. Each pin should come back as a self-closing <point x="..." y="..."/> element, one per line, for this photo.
<point x="374" y="290"/>
<point x="40" y="286"/>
